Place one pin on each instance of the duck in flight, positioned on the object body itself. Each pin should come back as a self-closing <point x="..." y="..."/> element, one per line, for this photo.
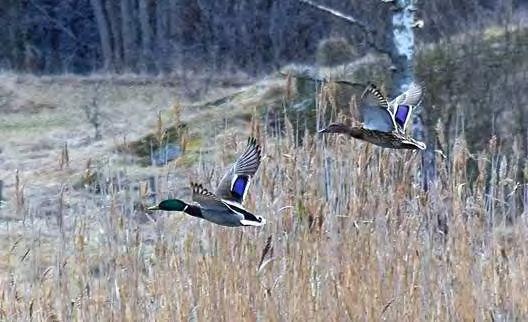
<point x="384" y="122"/>
<point x="224" y="207"/>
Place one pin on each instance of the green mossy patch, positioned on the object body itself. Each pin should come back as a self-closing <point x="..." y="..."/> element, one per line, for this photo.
<point x="155" y="141"/>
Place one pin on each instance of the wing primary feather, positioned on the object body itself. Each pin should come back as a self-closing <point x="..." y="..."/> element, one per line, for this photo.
<point x="197" y="188"/>
<point x="245" y="165"/>
<point x="412" y="96"/>
<point x="373" y="90"/>
<point x="248" y="163"/>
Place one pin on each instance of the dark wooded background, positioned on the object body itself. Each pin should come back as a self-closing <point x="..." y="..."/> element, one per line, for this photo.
<point x="255" y="36"/>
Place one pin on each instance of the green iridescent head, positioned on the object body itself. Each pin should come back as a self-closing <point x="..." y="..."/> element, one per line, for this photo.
<point x="170" y="205"/>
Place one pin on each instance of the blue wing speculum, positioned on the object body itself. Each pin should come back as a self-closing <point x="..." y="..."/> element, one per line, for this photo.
<point x="239" y="187"/>
<point x="404" y="105"/>
<point x="402" y="115"/>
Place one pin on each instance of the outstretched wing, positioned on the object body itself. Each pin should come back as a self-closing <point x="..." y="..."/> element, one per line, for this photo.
<point x="234" y="184"/>
<point x="374" y="110"/>
<point x="404" y="104"/>
<point x="412" y="96"/>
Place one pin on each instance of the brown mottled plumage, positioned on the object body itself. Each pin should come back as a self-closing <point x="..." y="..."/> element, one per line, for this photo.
<point x="392" y="140"/>
<point x="379" y="125"/>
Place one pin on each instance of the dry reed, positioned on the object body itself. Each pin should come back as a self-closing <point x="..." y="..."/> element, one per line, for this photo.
<point x="354" y="238"/>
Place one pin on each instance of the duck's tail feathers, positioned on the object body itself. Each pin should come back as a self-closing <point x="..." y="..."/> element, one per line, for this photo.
<point x="413" y="144"/>
<point x="259" y="223"/>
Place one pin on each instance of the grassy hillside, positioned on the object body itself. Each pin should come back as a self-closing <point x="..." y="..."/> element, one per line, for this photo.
<point x="352" y="234"/>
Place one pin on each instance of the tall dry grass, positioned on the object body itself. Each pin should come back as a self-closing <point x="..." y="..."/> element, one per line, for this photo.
<point x="351" y="236"/>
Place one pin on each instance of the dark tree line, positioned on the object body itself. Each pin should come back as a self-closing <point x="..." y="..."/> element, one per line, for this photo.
<point x="152" y="36"/>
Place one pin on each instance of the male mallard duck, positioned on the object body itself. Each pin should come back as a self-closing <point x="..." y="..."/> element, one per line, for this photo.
<point x="225" y="206"/>
<point x="383" y="123"/>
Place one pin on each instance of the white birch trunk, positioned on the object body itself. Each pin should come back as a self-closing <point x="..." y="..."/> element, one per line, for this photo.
<point x="402" y="53"/>
<point x="402" y="56"/>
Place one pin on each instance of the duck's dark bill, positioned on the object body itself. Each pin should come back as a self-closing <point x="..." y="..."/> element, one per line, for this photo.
<point x="402" y="113"/>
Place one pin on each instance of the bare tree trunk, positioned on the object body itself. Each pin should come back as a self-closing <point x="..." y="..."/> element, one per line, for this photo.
<point x="117" y="43"/>
<point x="162" y="58"/>
<point x="146" y="36"/>
<point x="53" y="60"/>
<point x="129" y="35"/>
<point x="12" y="40"/>
<point x="104" y="34"/>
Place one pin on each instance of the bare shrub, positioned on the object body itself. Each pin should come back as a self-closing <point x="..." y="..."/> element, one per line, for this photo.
<point x="92" y="112"/>
<point x="335" y="51"/>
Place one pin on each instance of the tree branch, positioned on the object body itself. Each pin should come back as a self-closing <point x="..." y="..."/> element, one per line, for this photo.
<point x="58" y="24"/>
<point x="338" y="14"/>
<point x="363" y="26"/>
<point x="318" y="79"/>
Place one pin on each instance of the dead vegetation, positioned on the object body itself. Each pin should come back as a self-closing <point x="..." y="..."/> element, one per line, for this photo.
<point x="354" y="237"/>
<point x="351" y="234"/>
<point x="13" y="102"/>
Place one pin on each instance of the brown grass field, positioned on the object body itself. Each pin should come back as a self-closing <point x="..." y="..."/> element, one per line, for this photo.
<point x="352" y="235"/>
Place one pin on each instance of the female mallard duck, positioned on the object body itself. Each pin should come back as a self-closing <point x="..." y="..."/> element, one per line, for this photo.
<point x="225" y="206"/>
<point x="383" y="123"/>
